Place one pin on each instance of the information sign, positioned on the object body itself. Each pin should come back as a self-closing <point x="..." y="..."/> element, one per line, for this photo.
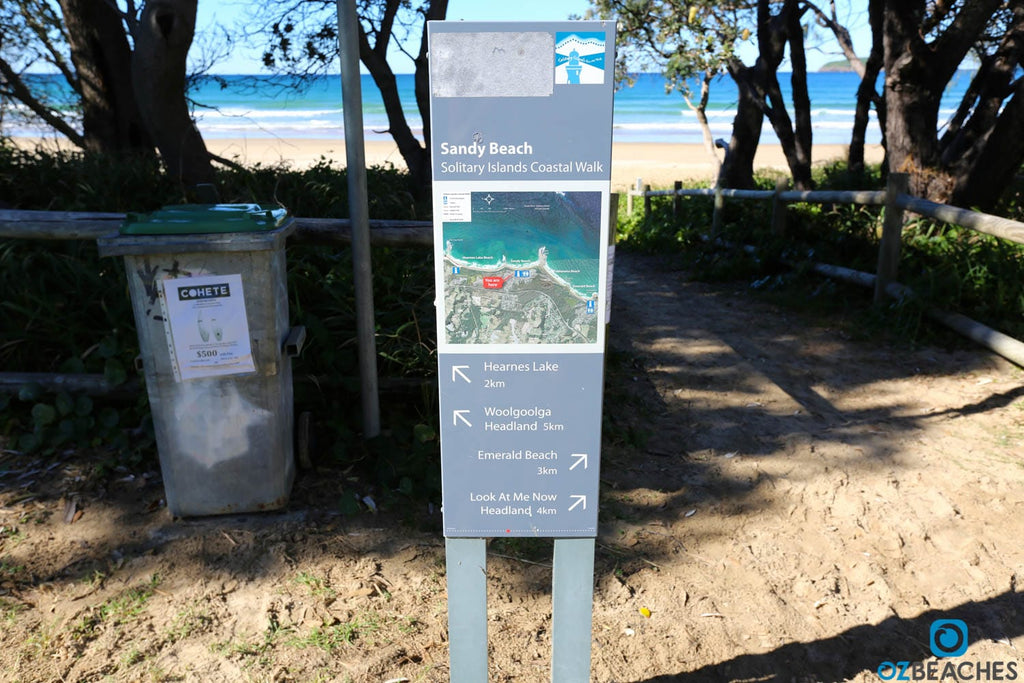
<point x="209" y="330"/>
<point x="521" y="144"/>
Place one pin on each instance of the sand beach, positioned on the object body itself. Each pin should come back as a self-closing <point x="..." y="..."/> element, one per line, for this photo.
<point x="656" y="164"/>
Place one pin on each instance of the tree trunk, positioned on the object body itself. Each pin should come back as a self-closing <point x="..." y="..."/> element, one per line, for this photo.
<point x="437" y="11"/>
<point x="800" y="159"/>
<point x="738" y="167"/>
<point x="163" y="36"/>
<point x="701" y="110"/>
<point x="867" y="94"/>
<point x="102" y="58"/>
<point x="759" y="86"/>
<point x="983" y="147"/>
<point x="20" y="92"/>
<point x="916" y="73"/>
<point x="911" y="103"/>
<point x="997" y="160"/>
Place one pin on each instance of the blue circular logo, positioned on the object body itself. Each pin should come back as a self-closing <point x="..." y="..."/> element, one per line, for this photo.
<point x="948" y="637"/>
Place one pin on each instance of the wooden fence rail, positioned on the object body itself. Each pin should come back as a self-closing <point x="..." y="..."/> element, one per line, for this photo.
<point x="67" y="225"/>
<point x="63" y="225"/>
<point x="896" y="201"/>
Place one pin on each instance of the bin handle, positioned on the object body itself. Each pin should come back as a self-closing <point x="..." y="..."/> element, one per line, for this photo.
<point x="294" y="341"/>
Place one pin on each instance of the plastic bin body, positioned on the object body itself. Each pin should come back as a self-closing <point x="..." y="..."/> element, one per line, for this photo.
<point x="225" y="442"/>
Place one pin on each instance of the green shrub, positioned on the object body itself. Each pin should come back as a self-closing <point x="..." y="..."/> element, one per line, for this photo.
<point x="947" y="266"/>
<point x="67" y="310"/>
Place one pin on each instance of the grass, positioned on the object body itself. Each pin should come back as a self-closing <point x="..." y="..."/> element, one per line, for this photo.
<point x="10" y="534"/>
<point x="119" y="609"/>
<point x="330" y="637"/>
<point x="191" y="620"/>
<point x="316" y="585"/>
<point x="9" y="611"/>
<point x="524" y="548"/>
<point x="256" y="652"/>
<point x="42" y="641"/>
<point x="10" y="570"/>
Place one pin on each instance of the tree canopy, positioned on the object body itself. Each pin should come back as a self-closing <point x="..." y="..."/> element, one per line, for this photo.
<point x="969" y="159"/>
<point x="302" y="38"/>
<point x="125" y="64"/>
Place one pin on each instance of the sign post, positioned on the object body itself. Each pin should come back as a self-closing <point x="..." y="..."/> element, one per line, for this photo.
<point x="521" y="120"/>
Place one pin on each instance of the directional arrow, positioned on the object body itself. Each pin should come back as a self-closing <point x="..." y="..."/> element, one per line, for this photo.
<point x="460" y="415"/>
<point x="580" y="458"/>
<point x="579" y="499"/>
<point x="458" y="370"/>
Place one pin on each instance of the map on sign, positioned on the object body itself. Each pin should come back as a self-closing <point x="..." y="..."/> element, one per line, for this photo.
<point x="521" y="267"/>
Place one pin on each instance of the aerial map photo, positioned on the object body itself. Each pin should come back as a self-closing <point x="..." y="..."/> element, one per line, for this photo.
<point x="522" y="267"/>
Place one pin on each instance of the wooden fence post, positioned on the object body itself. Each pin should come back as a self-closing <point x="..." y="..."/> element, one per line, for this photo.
<point x="892" y="229"/>
<point x="716" y="215"/>
<point x="629" y="196"/>
<point x="677" y="200"/>
<point x="779" y="208"/>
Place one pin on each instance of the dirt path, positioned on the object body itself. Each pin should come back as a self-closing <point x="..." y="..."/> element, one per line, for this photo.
<point x="787" y="504"/>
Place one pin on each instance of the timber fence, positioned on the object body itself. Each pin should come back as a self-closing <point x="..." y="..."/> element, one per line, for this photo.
<point x="85" y="226"/>
<point x="58" y="225"/>
<point x="896" y="202"/>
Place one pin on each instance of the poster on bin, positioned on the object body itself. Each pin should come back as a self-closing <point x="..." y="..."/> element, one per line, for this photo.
<point x="208" y="326"/>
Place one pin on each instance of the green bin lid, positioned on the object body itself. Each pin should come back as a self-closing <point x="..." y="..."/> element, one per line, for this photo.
<point x="200" y="219"/>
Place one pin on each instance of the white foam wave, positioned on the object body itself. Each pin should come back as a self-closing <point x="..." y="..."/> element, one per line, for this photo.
<point x="250" y="112"/>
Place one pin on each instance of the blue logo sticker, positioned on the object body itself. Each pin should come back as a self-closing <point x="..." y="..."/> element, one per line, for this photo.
<point x="948" y="637"/>
<point x="579" y="58"/>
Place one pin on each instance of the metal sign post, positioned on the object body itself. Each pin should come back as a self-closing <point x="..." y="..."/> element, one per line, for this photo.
<point x="521" y="118"/>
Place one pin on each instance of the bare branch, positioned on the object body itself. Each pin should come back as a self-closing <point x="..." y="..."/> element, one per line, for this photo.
<point x="22" y="93"/>
<point x="842" y="35"/>
<point x="39" y="26"/>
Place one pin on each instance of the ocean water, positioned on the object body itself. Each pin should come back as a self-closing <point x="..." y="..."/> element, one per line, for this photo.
<point x="264" y="106"/>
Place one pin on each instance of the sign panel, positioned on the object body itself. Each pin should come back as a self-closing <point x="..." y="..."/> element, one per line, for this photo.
<point x="521" y="437"/>
<point x="521" y="121"/>
<point x="209" y="331"/>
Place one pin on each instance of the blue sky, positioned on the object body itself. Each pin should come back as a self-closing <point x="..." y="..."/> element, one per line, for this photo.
<point x="228" y="12"/>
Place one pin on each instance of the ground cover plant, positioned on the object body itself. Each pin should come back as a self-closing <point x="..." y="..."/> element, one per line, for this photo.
<point x="948" y="267"/>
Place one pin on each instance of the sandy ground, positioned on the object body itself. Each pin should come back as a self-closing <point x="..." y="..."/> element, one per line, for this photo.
<point x="656" y="164"/>
<point x="779" y="502"/>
